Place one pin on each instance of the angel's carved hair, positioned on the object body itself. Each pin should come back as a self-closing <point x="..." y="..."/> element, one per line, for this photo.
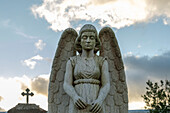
<point x="87" y="28"/>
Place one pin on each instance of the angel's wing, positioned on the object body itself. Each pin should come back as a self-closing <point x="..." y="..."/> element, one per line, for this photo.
<point x="58" y="100"/>
<point x="117" y="99"/>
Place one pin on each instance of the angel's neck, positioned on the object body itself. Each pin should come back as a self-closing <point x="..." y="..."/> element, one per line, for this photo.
<point x="87" y="53"/>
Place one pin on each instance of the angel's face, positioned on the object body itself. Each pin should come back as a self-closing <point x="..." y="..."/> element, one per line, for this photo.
<point x="88" y="40"/>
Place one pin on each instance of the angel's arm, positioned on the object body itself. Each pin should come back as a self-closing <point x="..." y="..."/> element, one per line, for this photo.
<point x="105" y="82"/>
<point x="68" y="81"/>
<point x="104" y="90"/>
<point x="69" y="89"/>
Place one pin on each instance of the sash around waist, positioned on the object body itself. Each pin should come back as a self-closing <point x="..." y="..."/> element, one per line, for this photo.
<point x="90" y="81"/>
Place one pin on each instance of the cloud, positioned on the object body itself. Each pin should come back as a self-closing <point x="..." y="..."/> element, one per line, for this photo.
<point x="166" y="21"/>
<point x="141" y="69"/>
<point x="1" y="98"/>
<point x="37" y="84"/>
<point x="23" y="86"/>
<point x="115" y="13"/>
<point x="136" y="105"/>
<point x="11" y="89"/>
<point x="32" y="61"/>
<point x="40" y="85"/>
<point x="158" y="8"/>
<point x="2" y="110"/>
<point x="157" y="65"/>
<point x="40" y="44"/>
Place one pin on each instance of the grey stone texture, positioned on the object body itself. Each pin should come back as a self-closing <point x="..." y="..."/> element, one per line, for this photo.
<point x="114" y="100"/>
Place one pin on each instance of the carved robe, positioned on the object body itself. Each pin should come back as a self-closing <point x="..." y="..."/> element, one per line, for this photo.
<point x="86" y="76"/>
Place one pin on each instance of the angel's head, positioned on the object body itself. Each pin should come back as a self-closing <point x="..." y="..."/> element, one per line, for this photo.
<point x="86" y="30"/>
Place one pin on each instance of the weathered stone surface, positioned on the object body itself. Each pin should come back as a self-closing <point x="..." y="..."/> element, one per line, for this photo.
<point x="112" y="90"/>
<point x="60" y="75"/>
<point x="114" y="76"/>
<point x="110" y="100"/>
<point x="111" y="64"/>
<point x="116" y="69"/>
<point x="125" y="97"/>
<point x="106" y="45"/>
<point x="123" y="108"/>
<point x="27" y="108"/>
<point x="120" y="87"/>
<point x="122" y="75"/>
<point x="115" y="100"/>
<point x="116" y="110"/>
<point x="118" y="99"/>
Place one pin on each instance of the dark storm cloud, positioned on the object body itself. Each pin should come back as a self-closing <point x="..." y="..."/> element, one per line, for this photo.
<point x="157" y="65"/>
<point x="40" y="85"/>
<point x="140" y="69"/>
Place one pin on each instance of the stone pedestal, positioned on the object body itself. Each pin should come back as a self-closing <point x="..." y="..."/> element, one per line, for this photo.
<point x="26" y="108"/>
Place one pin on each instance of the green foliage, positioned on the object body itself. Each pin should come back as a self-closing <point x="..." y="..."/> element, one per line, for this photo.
<point x="157" y="96"/>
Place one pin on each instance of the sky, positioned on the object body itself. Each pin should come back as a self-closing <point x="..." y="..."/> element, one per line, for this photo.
<point x="30" y="31"/>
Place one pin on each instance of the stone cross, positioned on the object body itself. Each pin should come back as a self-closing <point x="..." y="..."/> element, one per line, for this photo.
<point x="27" y="94"/>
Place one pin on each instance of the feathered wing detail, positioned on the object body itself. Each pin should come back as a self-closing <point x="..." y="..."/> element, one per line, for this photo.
<point x="117" y="99"/>
<point x="58" y="100"/>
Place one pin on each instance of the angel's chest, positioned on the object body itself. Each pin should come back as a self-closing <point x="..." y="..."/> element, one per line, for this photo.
<point x="86" y="69"/>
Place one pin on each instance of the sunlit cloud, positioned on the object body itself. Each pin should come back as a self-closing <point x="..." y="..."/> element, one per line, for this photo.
<point x="31" y="62"/>
<point x="158" y="8"/>
<point x="40" y="84"/>
<point x="128" y="54"/>
<point x="136" y="105"/>
<point x="13" y="87"/>
<point x="166" y="21"/>
<point x="114" y="13"/>
<point x="40" y="44"/>
<point x="1" y="98"/>
<point x="2" y="110"/>
<point x="10" y="91"/>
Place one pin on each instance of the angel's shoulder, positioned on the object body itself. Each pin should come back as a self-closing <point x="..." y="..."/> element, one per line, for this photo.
<point x="73" y="60"/>
<point x="100" y="59"/>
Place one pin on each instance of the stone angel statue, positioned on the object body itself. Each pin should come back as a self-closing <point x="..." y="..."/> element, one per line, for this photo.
<point x="87" y="82"/>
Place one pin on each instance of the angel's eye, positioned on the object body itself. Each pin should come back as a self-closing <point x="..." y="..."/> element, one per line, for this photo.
<point x="92" y="37"/>
<point x="84" y="37"/>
